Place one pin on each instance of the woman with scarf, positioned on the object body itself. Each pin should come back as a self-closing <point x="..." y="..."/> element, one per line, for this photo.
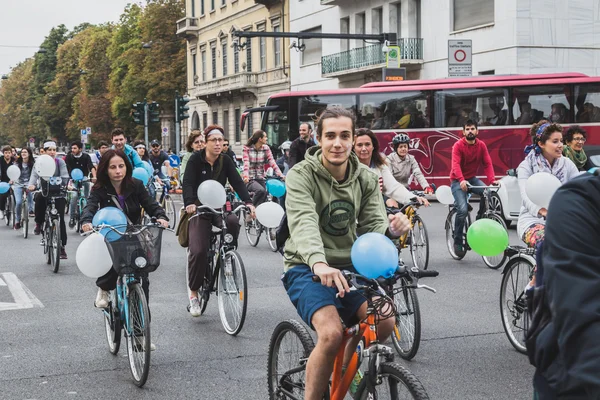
<point x="573" y="149"/>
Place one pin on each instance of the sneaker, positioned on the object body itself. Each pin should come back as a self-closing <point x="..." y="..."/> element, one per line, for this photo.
<point x="355" y="382"/>
<point x="71" y="223"/>
<point x="17" y="226"/>
<point x="459" y="250"/>
<point x="194" y="307"/>
<point x="38" y="229"/>
<point x="101" y="299"/>
<point x="31" y="214"/>
<point x="63" y="253"/>
<point x="140" y="346"/>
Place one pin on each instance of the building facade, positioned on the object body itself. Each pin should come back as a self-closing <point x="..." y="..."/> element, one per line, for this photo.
<point x="226" y="76"/>
<point x="508" y="37"/>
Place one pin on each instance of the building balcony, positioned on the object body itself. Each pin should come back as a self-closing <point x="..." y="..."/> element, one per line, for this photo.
<point x="188" y="26"/>
<point x="369" y="58"/>
<point x="238" y="84"/>
<point x="332" y="2"/>
<point x="268" y="3"/>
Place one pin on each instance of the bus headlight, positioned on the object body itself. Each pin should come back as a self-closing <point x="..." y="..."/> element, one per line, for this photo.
<point x="228" y="238"/>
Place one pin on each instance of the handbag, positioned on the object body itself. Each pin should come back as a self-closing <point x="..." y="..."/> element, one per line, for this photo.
<point x="182" y="232"/>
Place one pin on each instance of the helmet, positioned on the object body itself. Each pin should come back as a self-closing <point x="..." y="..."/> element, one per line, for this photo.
<point x="401" y="138"/>
<point x="285" y="145"/>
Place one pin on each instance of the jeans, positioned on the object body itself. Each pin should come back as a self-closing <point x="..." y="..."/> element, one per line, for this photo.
<point x="166" y="181"/>
<point x="462" y="208"/>
<point x="86" y="192"/>
<point x="18" y="190"/>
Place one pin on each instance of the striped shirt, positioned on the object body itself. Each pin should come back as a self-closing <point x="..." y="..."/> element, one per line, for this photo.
<point x="255" y="161"/>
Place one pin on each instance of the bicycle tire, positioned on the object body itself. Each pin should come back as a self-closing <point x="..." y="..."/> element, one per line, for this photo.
<point x="25" y="219"/>
<point x="407" y="331"/>
<point x="232" y="284"/>
<point x="397" y="377"/>
<point x="169" y="206"/>
<point x="271" y="239"/>
<point x="138" y="334"/>
<point x="253" y="230"/>
<point x="8" y="210"/>
<point x="112" y="324"/>
<point x="449" y="226"/>
<point x="55" y="245"/>
<point x="499" y="260"/>
<point x="419" y="239"/>
<point x="513" y="309"/>
<point x="204" y="294"/>
<point x="301" y="345"/>
<point x="46" y="238"/>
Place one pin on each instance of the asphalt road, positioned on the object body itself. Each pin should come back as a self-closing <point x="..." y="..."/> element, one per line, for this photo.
<point x="52" y="344"/>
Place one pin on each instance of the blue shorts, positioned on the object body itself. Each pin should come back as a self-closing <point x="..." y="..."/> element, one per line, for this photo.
<point x="308" y="296"/>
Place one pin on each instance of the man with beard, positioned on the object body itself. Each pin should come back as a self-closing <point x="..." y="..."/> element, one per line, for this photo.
<point x="301" y="144"/>
<point x="467" y="155"/>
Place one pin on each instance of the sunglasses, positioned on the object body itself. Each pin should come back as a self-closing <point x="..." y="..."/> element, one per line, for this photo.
<point x="155" y="145"/>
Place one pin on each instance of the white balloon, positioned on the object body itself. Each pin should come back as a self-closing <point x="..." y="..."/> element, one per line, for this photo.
<point x="92" y="257"/>
<point x="540" y="188"/>
<point x="13" y="173"/>
<point x="45" y="166"/>
<point x="211" y="193"/>
<point x="444" y="195"/>
<point x="269" y="214"/>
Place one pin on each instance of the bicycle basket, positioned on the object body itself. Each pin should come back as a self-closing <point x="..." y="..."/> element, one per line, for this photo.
<point x="138" y="249"/>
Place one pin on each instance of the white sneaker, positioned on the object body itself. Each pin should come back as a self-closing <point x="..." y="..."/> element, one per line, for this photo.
<point x="101" y="299"/>
<point x="195" y="307"/>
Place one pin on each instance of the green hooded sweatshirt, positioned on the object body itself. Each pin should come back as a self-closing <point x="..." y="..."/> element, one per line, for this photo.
<point x="324" y="216"/>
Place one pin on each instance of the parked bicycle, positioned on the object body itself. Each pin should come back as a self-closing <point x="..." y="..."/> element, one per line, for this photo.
<point x="134" y="255"/>
<point x="487" y="212"/>
<point x="517" y="273"/>
<point x="291" y="345"/>
<point x="225" y="274"/>
<point x="254" y="229"/>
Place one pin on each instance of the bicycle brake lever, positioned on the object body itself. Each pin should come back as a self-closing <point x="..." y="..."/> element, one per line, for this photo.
<point x="419" y="286"/>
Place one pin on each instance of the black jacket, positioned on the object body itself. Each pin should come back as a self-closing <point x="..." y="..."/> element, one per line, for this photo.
<point x="231" y="154"/>
<point x="298" y="149"/>
<point x="136" y="197"/>
<point x="84" y="163"/>
<point x="3" y="168"/>
<point x="568" y="348"/>
<point x="199" y="170"/>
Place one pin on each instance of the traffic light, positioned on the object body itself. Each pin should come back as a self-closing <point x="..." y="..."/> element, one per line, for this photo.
<point x="182" y="107"/>
<point x="154" y="113"/>
<point x="138" y="113"/>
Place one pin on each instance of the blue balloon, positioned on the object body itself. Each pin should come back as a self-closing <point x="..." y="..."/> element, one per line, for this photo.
<point x="77" y="174"/>
<point x="275" y="187"/>
<point x="111" y="216"/>
<point x="141" y="174"/>
<point x="4" y="187"/>
<point x="374" y="255"/>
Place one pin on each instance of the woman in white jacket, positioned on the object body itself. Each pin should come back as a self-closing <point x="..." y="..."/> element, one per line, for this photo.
<point x="543" y="155"/>
<point x="366" y="148"/>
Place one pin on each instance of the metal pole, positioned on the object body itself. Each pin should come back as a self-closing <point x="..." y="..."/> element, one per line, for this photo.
<point x="146" y="122"/>
<point x="177" y="125"/>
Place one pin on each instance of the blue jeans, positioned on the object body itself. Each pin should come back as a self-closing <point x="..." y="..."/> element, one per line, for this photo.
<point x="18" y="190"/>
<point x="74" y="199"/>
<point x="462" y="207"/>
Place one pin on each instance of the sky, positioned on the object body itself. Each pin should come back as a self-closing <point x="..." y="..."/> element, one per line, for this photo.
<point x="28" y="22"/>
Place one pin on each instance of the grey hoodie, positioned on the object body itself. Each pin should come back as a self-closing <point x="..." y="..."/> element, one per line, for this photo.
<point x="324" y="216"/>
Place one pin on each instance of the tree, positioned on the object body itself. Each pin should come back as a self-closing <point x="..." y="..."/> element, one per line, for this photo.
<point x="16" y="113"/>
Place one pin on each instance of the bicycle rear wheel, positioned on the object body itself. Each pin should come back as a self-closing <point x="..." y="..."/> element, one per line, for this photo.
<point x="513" y="305"/>
<point x="55" y="245"/>
<point x="393" y="382"/>
<point x="419" y="243"/>
<point x="112" y="324"/>
<point x="289" y="348"/>
<point x="8" y="211"/>
<point x="407" y="332"/>
<point x="138" y="334"/>
<point x="496" y="261"/>
<point x="253" y="230"/>
<point x="233" y="293"/>
<point x="169" y="206"/>
<point x="271" y="239"/>
<point x="25" y="219"/>
<point x="46" y="238"/>
<point x="450" y="223"/>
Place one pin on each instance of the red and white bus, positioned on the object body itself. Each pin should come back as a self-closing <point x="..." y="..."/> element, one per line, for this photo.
<point x="432" y="112"/>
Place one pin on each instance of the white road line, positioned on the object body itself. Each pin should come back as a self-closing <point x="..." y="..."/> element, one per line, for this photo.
<point x="2" y="283"/>
<point x="20" y="293"/>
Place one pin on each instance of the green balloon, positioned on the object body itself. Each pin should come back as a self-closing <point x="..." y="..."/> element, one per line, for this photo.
<point x="487" y="237"/>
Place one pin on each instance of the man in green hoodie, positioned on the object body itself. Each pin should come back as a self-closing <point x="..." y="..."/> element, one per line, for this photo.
<point x="331" y="199"/>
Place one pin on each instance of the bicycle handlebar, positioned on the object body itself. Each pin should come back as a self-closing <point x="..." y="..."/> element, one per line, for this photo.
<point x="491" y="187"/>
<point x="212" y="210"/>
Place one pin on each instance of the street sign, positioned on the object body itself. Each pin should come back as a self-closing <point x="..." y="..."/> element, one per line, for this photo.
<point x="392" y="57"/>
<point x="31" y="140"/>
<point x="84" y="136"/>
<point x="460" y="58"/>
<point x="174" y="160"/>
<point x="88" y="130"/>
<point x="165" y="131"/>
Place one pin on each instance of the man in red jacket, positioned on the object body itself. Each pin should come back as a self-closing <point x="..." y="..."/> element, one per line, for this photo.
<point x="467" y="155"/>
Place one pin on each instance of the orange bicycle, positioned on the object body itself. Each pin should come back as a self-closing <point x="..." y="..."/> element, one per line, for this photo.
<point x="291" y="345"/>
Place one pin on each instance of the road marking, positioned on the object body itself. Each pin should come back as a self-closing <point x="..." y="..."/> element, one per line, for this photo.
<point x="20" y="293"/>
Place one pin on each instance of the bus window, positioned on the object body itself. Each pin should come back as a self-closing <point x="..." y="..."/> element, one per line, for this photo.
<point x="401" y="110"/>
<point x="534" y="103"/>
<point x="312" y="106"/>
<point x="587" y="103"/>
<point x="486" y="106"/>
<point x="277" y="126"/>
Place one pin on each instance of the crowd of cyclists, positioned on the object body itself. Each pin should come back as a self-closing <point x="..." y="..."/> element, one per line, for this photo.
<point x="338" y="188"/>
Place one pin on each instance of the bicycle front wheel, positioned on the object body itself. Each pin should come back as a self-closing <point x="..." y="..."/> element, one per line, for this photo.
<point x="393" y="382"/>
<point x="233" y="293"/>
<point x="419" y="243"/>
<point x="253" y="230"/>
<point x="271" y="239"/>
<point x="55" y="245"/>
<point x="138" y="334"/>
<point x="112" y="324"/>
<point x="169" y="206"/>
<point x="407" y="332"/>
<point x="46" y="238"/>
<point x="9" y="209"/>
<point x="513" y="305"/>
<point x="289" y="348"/>
<point x="495" y="262"/>
<point x="25" y="219"/>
